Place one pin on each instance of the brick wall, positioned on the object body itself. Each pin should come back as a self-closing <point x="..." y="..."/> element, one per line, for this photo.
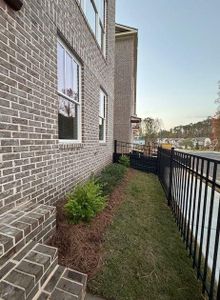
<point x="125" y="96"/>
<point x="33" y="165"/>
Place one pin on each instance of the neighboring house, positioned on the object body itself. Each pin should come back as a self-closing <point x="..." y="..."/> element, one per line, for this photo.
<point x="125" y="119"/>
<point x="201" y="142"/>
<point x="56" y="118"/>
<point x="207" y="142"/>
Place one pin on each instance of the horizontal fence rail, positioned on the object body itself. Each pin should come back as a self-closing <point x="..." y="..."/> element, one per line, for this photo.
<point x="192" y="187"/>
<point x="142" y="157"/>
<point x="128" y="148"/>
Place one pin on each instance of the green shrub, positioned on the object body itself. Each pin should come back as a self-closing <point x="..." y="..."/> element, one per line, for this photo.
<point x="85" y="202"/>
<point x="110" y="177"/>
<point x="124" y="160"/>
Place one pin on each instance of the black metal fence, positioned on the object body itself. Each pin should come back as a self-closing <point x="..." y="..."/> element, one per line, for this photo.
<point x="142" y="157"/>
<point x="192" y="187"/>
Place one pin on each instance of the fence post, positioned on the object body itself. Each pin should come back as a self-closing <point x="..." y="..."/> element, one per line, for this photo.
<point x="115" y="151"/>
<point x="158" y="162"/>
<point x="115" y="146"/>
<point x="218" y="292"/>
<point x="171" y="176"/>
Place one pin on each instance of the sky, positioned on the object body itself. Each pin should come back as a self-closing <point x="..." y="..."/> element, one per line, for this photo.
<point x="178" y="57"/>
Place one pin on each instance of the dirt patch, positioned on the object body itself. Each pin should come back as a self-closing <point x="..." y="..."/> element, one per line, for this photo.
<point x="80" y="246"/>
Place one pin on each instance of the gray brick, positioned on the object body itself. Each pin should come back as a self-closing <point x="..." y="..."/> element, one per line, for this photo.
<point x="13" y="232"/>
<point x="7" y="219"/>
<point x="22" y="226"/>
<point x="21" y="280"/>
<point x="58" y="295"/>
<point x="43" y="296"/>
<point x="34" y="234"/>
<point x="1" y="250"/>
<point x="8" y="267"/>
<point x="6" y="241"/>
<point x="33" y="292"/>
<point x="54" y="279"/>
<point x="39" y="259"/>
<point x="75" y="276"/>
<point x="10" y="292"/>
<point x="48" y="236"/>
<point x="31" y="268"/>
<point x="30" y="221"/>
<point x="10" y="142"/>
<point x="36" y="216"/>
<point x="23" y="252"/>
<point x="52" y="252"/>
<point x="49" y="271"/>
<point x="70" y="287"/>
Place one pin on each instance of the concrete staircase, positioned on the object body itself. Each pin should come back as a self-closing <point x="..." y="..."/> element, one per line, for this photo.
<point x="28" y="268"/>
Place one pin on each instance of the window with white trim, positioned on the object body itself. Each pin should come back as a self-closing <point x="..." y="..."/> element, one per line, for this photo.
<point x="69" y="79"/>
<point x="102" y="116"/>
<point x="95" y="11"/>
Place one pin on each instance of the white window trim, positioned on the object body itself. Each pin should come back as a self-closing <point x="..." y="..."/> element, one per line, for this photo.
<point x="105" y="116"/>
<point x="82" y="3"/>
<point x="79" y="103"/>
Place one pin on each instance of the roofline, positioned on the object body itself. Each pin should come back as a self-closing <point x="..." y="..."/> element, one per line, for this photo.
<point x="126" y="27"/>
<point x="130" y="30"/>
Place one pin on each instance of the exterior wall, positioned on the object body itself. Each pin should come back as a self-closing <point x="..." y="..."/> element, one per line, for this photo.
<point x="33" y="164"/>
<point x="124" y="88"/>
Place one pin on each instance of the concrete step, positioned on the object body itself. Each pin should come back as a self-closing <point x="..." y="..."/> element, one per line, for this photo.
<point x="27" y="222"/>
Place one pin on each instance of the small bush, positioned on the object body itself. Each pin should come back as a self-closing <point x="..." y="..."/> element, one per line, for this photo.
<point x="110" y="177"/>
<point x="124" y="160"/>
<point x="85" y="202"/>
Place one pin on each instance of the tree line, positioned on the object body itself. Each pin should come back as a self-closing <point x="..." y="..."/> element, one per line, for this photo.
<point x="192" y="130"/>
<point x="151" y="129"/>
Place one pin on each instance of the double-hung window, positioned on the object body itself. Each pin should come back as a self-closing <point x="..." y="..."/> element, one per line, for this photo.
<point x="69" y="78"/>
<point x="95" y="11"/>
<point x="102" y="116"/>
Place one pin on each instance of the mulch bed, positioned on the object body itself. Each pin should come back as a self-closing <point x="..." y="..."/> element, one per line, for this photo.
<point x="80" y="246"/>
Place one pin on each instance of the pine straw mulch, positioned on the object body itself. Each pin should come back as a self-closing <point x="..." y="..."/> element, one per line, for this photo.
<point x="80" y="246"/>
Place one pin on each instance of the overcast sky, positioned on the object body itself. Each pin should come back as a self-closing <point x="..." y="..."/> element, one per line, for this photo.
<point x="178" y="57"/>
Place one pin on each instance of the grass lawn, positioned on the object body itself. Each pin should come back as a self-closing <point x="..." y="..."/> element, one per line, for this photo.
<point x="144" y="256"/>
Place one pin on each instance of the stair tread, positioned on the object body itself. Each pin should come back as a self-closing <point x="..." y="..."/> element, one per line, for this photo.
<point x="27" y="222"/>
<point x="34" y="273"/>
<point x="66" y="283"/>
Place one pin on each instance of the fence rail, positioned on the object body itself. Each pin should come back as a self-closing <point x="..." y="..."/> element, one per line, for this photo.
<point x="142" y="157"/>
<point x="192" y="187"/>
<point x="132" y="148"/>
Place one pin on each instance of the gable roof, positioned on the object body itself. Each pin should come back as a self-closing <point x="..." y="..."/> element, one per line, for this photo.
<point x="122" y="29"/>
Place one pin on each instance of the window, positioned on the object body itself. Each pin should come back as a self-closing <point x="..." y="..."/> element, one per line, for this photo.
<point x="69" y="111"/>
<point x="90" y="12"/>
<point x="95" y="11"/>
<point x="102" y="116"/>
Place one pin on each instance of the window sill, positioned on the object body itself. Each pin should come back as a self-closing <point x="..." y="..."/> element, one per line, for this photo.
<point x="69" y="145"/>
<point x="103" y="143"/>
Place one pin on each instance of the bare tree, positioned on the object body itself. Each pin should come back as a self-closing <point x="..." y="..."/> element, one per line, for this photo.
<point x="150" y="129"/>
